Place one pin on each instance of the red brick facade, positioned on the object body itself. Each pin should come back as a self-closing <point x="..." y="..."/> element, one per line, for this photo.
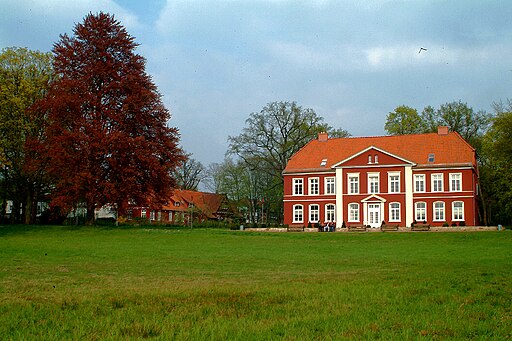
<point x="428" y="178"/>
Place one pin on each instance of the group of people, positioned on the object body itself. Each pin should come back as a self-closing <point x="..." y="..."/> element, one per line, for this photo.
<point x="328" y="227"/>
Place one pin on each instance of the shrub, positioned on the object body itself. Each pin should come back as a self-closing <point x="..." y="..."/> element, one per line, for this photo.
<point x="454" y="224"/>
<point x="343" y="225"/>
<point x="445" y="225"/>
<point x="462" y="223"/>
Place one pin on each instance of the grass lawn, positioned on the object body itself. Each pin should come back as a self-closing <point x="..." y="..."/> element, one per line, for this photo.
<point x="107" y="283"/>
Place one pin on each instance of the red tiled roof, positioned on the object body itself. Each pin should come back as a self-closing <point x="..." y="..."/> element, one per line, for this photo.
<point x="208" y="203"/>
<point x="449" y="149"/>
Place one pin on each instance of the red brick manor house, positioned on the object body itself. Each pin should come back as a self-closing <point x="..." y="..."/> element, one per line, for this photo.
<point x="430" y="178"/>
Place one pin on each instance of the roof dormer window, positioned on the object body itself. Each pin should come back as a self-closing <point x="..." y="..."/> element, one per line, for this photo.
<point x="431" y="158"/>
<point x="323" y="163"/>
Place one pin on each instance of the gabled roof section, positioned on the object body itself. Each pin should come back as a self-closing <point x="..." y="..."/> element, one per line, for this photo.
<point x="449" y="149"/>
<point x="208" y="203"/>
<point x="373" y="197"/>
<point x="367" y="150"/>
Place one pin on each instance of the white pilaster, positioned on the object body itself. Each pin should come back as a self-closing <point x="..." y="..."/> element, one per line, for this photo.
<point x="409" y="203"/>
<point x="339" y="197"/>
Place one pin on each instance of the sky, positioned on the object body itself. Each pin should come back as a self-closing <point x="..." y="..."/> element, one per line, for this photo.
<point x="217" y="61"/>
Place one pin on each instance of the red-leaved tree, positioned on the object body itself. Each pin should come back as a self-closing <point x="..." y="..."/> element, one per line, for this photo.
<point x="107" y="138"/>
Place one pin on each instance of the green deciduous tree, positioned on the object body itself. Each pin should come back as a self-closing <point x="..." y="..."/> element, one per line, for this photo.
<point x="271" y="137"/>
<point x="108" y="136"/>
<point x="459" y="117"/>
<point x="404" y="120"/>
<point x="24" y="79"/>
<point x="496" y="167"/>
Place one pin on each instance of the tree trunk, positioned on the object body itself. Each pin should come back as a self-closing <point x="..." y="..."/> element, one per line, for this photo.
<point x="28" y="206"/>
<point x="90" y="214"/>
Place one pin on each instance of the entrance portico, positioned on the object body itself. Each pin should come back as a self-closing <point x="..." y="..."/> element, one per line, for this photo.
<point x="373" y="210"/>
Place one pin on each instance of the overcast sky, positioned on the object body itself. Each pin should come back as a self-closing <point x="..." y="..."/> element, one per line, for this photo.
<point x="353" y="62"/>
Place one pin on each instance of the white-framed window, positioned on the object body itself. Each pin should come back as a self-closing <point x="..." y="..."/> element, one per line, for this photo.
<point x="376" y="158"/>
<point x="420" y="211"/>
<point x="314" y="211"/>
<point x="437" y="182"/>
<point x="298" y="214"/>
<point x="439" y="211"/>
<point x="455" y="182"/>
<point x="458" y="211"/>
<point x="394" y="211"/>
<point x="353" y="183"/>
<point x="330" y="186"/>
<point x="143" y="213"/>
<point x="353" y="212"/>
<point x="298" y="186"/>
<point x="419" y="182"/>
<point x="394" y="182"/>
<point x="373" y="183"/>
<point x="369" y="159"/>
<point x="330" y="212"/>
<point x="314" y="186"/>
<point x="152" y="215"/>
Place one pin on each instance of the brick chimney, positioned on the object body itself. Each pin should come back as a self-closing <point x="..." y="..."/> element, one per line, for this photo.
<point x="323" y="136"/>
<point x="442" y="130"/>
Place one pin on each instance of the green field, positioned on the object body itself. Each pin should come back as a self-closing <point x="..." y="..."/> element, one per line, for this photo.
<point x="106" y="283"/>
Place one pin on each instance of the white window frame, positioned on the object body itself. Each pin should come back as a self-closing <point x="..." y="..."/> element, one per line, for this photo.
<point x="394" y="212"/>
<point x="356" y="183"/>
<point x="143" y="213"/>
<point x="455" y="184"/>
<point x="441" y="210"/>
<point x="330" y="185"/>
<point x="371" y="176"/>
<point x="298" y="183"/>
<point x="330" y="213"/>
<point x="437" y="178"/>
<point x="314" y="186"/>
<point x="298" y="213"/>
<point x="314" y="213"/>
<point x="419" y="181"/>
<point x="353" y="212"/>
<point x="422" y="210"/>
<point x="391" y="182"/>
<point x="459" y="210"/>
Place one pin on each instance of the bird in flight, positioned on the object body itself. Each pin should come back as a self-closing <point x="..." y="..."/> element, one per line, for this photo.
<point x="422" y="49"/>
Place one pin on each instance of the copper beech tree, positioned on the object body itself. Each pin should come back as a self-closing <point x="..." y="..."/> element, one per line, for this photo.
<point x="107" y="138"/>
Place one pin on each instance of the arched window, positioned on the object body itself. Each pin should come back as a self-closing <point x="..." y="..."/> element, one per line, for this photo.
<point x="439" y="211"/>
<point x="394" y="211"/>
<point x="458" y="211"/>
<point x="314" y="212"/>
<point x="298" y="214"/>
<point x="330" y="212"/>
<point x="420" y="211"/>
<point x="353" y="212"/>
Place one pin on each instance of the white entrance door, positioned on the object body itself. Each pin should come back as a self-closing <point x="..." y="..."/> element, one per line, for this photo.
<point x="374" y="215"/>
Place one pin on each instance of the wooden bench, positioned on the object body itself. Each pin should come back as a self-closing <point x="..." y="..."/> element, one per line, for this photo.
<point x="356" y="228"/>
<point x="295" y="229"/>
<point x="420" y="227"/>
<point x="389" y="227"/>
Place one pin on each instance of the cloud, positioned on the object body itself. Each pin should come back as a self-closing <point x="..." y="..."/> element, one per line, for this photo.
<point x="37" y="24"/>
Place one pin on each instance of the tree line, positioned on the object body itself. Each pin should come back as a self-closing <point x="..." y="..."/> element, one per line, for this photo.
<point x="251" y="175"/>
<point x="84" y="126"/>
